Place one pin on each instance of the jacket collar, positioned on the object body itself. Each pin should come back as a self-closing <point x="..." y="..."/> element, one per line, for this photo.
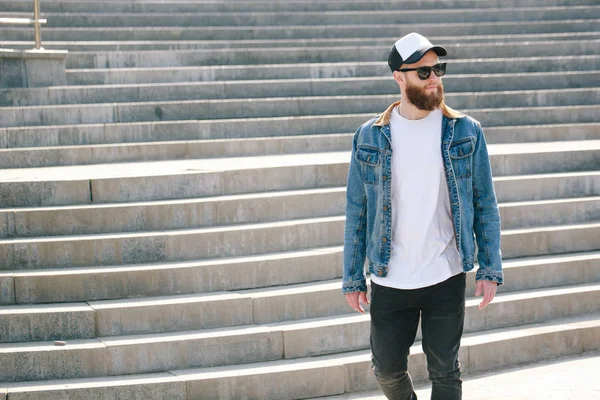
<point x="384" y="119"/>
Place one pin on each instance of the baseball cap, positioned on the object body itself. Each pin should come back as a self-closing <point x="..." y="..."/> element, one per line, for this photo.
<point x="411" y="48"/>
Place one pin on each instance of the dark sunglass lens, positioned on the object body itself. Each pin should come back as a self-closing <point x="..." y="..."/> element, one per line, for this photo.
<point x="424" y="72"/>
<point x="439" y="69"/>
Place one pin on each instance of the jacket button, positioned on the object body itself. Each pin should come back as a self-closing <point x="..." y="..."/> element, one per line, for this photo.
<point x="385" y="177"/>
<point x="385" y="208"/>
<point x="380" y="273"/>
<point x="384" y="240"/>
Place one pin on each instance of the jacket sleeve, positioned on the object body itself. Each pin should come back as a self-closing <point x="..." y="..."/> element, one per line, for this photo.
<point x="487" y="226"/>
<point x="355" y="229"/>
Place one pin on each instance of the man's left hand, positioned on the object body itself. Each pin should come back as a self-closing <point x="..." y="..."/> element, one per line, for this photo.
<point x="489" y="291"/>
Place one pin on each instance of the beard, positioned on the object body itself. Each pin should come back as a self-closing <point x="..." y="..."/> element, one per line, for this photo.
<point x="426" y="102"/>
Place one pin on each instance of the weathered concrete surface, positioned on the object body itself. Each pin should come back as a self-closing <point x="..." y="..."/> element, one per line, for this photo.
<point x="44" y="360"/>
<point x="40" y="193"/>
<point x="176" y="214"/>
<point x="47" y="322"/>
<point x="275" y="107"/>
<point x="283" y="18"/>
<point x="244" y="240"/>
<point x="289" y="88"/>
<point x="32" y="68"/>
<point x="212" y="177"/>
<point x="306" y="32"/>
<point x="139" y="387"/>
<point x="332" y="70"/>
<point x="183" y="277"/>
<point x="131" y="354"/>
<point x="279" y="380"/>
<point x="251" y="208"/>
<point x="571" y="377"/>
<point x="258" y="6"/>
<point x="507" y="121"/>
<point x="139" y="45"/>
<point x="181" y="313"/>
<point x="7" y="289"/>
<point x="480" y="352"/>
<point x="288" y="55"/>
<point x="173" y="150"/>
<point x="549" y="212"/>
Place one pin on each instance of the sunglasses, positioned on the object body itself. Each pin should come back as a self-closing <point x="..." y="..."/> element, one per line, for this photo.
<point x="425" y="72"/>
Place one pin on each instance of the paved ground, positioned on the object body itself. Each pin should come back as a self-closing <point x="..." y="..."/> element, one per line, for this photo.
<point x="574" y="378"/>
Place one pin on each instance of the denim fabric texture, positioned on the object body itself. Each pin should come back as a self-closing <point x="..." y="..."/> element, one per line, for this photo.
<point x="395" y="316"/>
<point x="475" y="214"/>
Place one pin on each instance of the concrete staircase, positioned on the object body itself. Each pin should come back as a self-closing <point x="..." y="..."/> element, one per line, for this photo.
<point x="173" y="218"/>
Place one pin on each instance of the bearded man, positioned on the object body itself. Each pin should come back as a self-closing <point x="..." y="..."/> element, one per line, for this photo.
<point x="419" y="195"/>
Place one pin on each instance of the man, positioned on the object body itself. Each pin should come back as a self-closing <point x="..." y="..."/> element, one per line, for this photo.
<point x="419" y="190"/>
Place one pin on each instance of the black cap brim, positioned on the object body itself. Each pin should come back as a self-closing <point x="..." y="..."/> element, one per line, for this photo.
<point x="395" y="60"/>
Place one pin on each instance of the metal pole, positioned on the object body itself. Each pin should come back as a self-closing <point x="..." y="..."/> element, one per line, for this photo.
<point x="36" y="17"/>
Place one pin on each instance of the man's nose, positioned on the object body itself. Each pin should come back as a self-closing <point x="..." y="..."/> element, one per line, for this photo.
<point x="433" y="77"/>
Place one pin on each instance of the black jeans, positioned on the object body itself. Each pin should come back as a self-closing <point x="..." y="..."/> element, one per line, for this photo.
<point x="394" y="319"/>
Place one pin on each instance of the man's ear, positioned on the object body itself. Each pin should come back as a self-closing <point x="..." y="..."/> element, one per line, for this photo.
<point x="398" y="77"/>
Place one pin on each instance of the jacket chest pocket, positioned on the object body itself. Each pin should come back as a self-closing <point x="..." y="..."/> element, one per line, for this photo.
<point x="369" y="160"/>
<point x="461" y="154"/>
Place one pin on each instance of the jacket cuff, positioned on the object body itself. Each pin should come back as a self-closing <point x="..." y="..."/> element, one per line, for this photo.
<point x="486" y="274"/>
<point x="354" y="286"/>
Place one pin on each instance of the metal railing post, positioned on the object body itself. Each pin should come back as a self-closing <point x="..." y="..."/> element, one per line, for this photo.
<point x="38" y="31"/>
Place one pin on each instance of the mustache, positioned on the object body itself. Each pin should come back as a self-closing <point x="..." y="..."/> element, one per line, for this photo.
<point x="426" y="102"/>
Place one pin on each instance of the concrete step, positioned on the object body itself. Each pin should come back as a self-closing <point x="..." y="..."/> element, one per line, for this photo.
<point x="286" y="18"/>
<point x="298" y="303"/>
<point x="549" y="212"/>
<point x="558" y="239"/>
<point x="534" y="115"/>
<point x="347" y="372"/>
<point x="249" y="208"/>
<point x="125" y="355"/>
<point x="165" y="246"/>
<point x="214" y="134"/>
<point x="171" y="179"/>
<point x="256" y="6"/>
<point x="159" y="352"/>
<point x="277" y="107"/>
<point x="174" y="214"/>
<point x="541" y="158"/>
<point x="165" y="279"/>
<point x="512" y="65"/>
<point x="313" y="330"/>
<point x="572" y="376"/>
<point x="301" y="31"/>
<point x="122" y="45"/>
<point x="174" y="150"/>
<point x="248" y="239"/>
<point x="134" y="387"/>
<point x="179" y="150"/>
<point x="540" y="133"/>
<point x="293" y="55"/>
<point x="183" y="179"/>
<point x="28" y="323"/>
<point x="453" y="83"/>
<point x="547" y="186"/>
<point x="478" y="353"/>
<point x="246" y="208"/>
<point x="89" y="134"/>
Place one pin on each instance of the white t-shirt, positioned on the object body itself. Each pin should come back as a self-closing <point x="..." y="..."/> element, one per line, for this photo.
<point x="424" y="248"/>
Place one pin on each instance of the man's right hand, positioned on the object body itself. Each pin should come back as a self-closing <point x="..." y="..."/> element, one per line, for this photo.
<point x="355" y="299"/>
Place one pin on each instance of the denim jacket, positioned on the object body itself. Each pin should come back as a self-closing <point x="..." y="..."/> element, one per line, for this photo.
<point x="368" y="230"/>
